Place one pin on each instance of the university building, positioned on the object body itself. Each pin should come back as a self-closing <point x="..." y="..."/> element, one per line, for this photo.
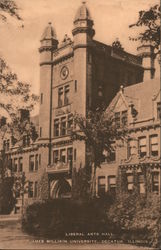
<point x="74" y="74"/>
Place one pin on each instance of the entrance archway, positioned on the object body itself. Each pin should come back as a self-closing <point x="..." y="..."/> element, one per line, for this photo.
<point x="61" y="189"/>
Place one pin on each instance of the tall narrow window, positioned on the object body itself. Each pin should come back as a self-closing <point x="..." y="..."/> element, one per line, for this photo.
<point x="159" y="110"/>
<point x="63" y="126"/>
<point x="124" y="118"/>
<point x="75" y="85"/>
<point x="55" y="156"/>
<point x="75" y="154"/>
<point x="155" y="182"/>
<point x="41" y="98"/>
<point x="154" y="145"/>
<point x="101" y="185"/>
<point x="70" y="156"/>
<point x="36" y="189"/>
<point x="117" y="119"/>
<point x="130" y="182"/>
<point x="56" y="127"/>
<point x="40" y="132"/>
<point x="66" y="95"/>
<point x="131" y="147"/>
<point x="112" y="183"/>
<point x="30" y="189"/>
<point x="36" y="162"/>
<point x="63" y="155"/>
<point x="15" y="165"/>
<point x="70" y="123"/>
<point x="142" y="146"/>
<point x="60" y="97"/>
<point x="141" y="183"/>
<point x="20" y="164"/>
<point x="31" y="163"/>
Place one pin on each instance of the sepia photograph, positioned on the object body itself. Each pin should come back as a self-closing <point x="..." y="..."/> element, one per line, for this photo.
<point x="80" y="124"/>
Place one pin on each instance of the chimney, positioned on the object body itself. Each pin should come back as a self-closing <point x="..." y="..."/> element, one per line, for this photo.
<point x="146" y="51"/>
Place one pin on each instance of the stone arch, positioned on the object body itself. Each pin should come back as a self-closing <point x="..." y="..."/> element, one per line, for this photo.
<point x="61" y="188"/>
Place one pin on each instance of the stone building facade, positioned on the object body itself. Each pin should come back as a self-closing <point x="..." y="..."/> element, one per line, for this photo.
<point x="73" y="75"/>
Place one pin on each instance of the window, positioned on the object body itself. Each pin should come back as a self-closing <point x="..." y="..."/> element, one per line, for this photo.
<point x="112" y="183"/>
<point x="31" y="163"/>
<point x="121" y="119"/>
<point x="41" y="98"/>
<point x="15" y="165"/>
<point x="55" y="156"/>
<point x="117" y="119"/>
<point x="131" y="147"/>
<point x="36" y="162"/>
<point x="39" y="159"/>
<point x="6" y="145"/>
<point x="63" y="155"/>
<point x="130" y="182"/>
<point x="70" y="156"/>
<point x="60" y="97"/>
<point x="56" y="127"/>
<point x="20" y="164"/>
<point x="30" y="189"/>
<point x="142" y="146"/>
<point x="124" y="118"/>
<point x="36" y="189"/>
<point x="40" y="131"/>
<point x="66" y="95"/>
<point x="70" y="123"/>
<point x="141" y="183"/>
<point x="101" y="185"/>
<point x="75" y="154"/>
<point x="75" y="85"/>
<point x="63" y="126"/>
<point x="155" y="182"/>
<point x="154" y="145"/>
<point x="26" y="140"/>
<point x="159" y="110"/>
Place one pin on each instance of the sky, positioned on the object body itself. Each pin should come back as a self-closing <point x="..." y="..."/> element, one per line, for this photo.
<point x="19" y="46"/>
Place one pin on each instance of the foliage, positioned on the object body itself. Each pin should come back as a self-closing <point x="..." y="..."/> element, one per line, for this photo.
<point x="117" y="45"/>
<point x="7" y="200"/>
<point x="44" y="186"/>
<point x="150" y="21"/>
<point x="8" y="7"/>
<point x="54" y="218"/>
<point x="137" y="217"/>
<point x="99" y="132"/>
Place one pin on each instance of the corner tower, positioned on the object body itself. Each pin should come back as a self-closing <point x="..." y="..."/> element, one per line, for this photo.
<point x="83" y="33"/>
<point x="49" y="43"/>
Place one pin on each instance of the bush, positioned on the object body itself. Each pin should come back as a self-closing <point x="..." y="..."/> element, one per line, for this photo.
<point x="54" y="218"/>
<point x="137" y="218"/>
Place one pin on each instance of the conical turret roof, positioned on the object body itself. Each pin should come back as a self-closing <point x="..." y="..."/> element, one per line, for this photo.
<point x="83" y="13"/>
<point x="49" y="32"/>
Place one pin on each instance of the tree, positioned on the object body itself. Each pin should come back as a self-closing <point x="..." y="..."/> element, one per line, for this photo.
<point x="99" y="132"/>
<point x="150" y="21"/>
<point x="9" y="7"/>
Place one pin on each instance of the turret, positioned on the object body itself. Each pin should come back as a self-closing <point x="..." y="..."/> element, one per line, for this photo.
<point x="146" y="51"/>
<point x="49" y="43"/>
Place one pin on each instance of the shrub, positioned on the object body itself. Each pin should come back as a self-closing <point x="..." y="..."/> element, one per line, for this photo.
<point x="54" y="218"/>
<point x="137" y="217"/>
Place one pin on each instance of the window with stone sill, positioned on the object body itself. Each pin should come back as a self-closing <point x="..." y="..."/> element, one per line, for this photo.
<point x="31" y="163"/>
<point x="130" y="182"/>
<point x="142" y="146"/>
<point x="63" y="126"/>
<point x="131" y="148"/>
<point x="112" y="184"/>
<point x="26" y="141"/>
<point x="121" y="119"/>
<point x="159" y="110"/>
<point x="154" y="150"/>
<point x="55" y="156"/>
<point x="101" y="185"/>
<point x="63" y="155"/>
<point x="56" y="127"/>
<point x="141" y="183"/>
<point x="155" y="182"/>
<point x="20" y="164"/>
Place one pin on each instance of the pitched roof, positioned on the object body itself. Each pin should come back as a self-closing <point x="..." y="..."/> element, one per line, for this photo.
<point x="141" y="95"/>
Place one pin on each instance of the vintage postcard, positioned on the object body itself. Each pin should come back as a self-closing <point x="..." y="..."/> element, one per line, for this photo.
<point x="80" y="124"/>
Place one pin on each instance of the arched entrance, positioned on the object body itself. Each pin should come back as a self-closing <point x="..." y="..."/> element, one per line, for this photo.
<point x="61" y="189"/>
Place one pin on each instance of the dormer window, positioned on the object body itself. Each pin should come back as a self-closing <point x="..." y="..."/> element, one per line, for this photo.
<point x="26" y="141"/>
<point x="159" y="110"/>
<point x="121" y="119"/>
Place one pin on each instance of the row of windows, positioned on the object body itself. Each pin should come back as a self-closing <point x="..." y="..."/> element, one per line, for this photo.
<point x="25" y="142"/>
<point x="34" y="162"/>
<point x="141" y="182"/>
<point x="111" y="182"/>
<point x="64" y="155"/>
<point x="62" y="126"/>
<point x="142" y="146"/>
